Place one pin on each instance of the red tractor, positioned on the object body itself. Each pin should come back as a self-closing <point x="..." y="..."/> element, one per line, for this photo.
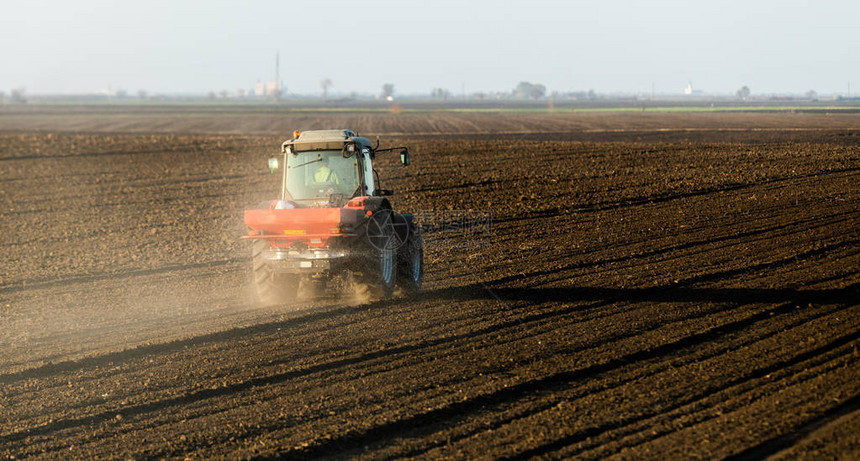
<point x="332" y="221"/>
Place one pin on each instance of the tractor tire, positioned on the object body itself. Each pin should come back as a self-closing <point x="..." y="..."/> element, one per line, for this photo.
<point x="378" y="279"/>
<point x="272" y="288"/>
<point x="379" y="276"/>
<point x="411" y="262"/>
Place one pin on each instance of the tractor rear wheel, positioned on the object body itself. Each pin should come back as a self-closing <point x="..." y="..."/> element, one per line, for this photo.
<point x="411" y="263"/>
<point x="379" y="276"/>
<point x="272" y="288"/>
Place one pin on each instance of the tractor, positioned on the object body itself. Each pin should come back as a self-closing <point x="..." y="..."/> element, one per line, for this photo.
<point x="332" y="221"/>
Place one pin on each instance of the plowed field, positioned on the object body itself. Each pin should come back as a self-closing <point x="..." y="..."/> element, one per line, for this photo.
<point x="597" y="287"/>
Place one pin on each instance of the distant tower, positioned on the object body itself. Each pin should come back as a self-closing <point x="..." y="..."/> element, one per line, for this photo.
<point x="689" y="89"/>
<point x="277" y="73"/>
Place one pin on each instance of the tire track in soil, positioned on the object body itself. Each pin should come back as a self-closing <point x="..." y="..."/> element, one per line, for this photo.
<point x="392" y="430"/>
<point x="131" y="411"/>
<point x="325" y="366"/>
<point x="742" y="384"/>
<point x="571" y="394"/>
<point x="781" y="442"/>
<point x="54" y="283"/>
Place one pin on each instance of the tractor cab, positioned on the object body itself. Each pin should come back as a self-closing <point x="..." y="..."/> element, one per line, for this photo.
<point x="315" y="176"/>
<point x="326" y="168"/>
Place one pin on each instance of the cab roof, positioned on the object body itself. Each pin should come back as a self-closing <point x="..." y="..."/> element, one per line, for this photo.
<point x="324" y="140"/>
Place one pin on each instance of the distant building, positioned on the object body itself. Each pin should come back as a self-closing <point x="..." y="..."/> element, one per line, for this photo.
<point x="267" y="89"/>
<point x="689" y="91"/>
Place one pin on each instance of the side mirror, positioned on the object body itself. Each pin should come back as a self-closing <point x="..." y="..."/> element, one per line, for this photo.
<point x="348" y="150"/>
<point x="404" y="157"/>
<point x="273" y="165"/>
<point x="384" y="192"/>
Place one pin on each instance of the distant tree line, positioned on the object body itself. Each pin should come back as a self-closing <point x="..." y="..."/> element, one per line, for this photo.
<point x="16" y="96"/>
<point x="440" y="93"/>
<point x="529" y="90"/>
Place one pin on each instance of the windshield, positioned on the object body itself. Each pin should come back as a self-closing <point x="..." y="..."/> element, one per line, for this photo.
<point x="317" y="175"/>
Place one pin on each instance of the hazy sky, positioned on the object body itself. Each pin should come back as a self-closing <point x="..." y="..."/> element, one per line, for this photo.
<point x="75" y="46"/>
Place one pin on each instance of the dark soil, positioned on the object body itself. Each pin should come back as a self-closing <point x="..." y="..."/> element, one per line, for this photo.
<point x="640" y="292"/>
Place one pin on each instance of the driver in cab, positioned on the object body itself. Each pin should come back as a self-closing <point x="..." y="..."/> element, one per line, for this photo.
<point x="325" y="175"/>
